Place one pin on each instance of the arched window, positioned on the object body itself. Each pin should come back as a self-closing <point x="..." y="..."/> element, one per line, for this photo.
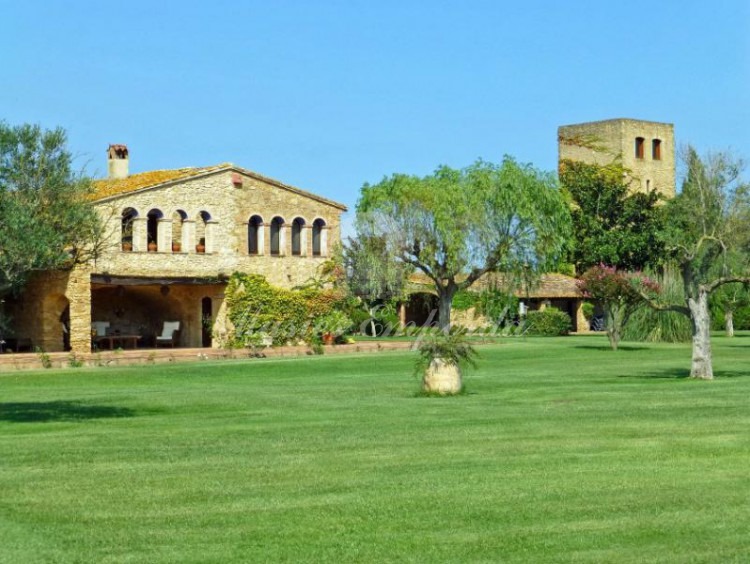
<point x="152" y="229"/>
<point x="178" y="231"/>
<point x="202" y="233"/>
<point x="297" y="226"/>
<point x="317" y="237"/>
<point x="639" y="142"/>
<point x="126" y="232"/>
<point x="656" y="149"/>
<point x="255" y="235"/>
<point x="276" y="225"/>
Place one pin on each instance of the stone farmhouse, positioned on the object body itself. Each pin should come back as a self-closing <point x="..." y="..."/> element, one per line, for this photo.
<point x="173" y="237"/>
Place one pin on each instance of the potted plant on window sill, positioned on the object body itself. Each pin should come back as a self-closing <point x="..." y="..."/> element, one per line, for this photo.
<point x="152" y="246"/>
<point x="176" y="247"/>
<point x="201" y="246"/>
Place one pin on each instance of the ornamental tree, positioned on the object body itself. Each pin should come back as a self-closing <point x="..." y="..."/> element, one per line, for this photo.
<point x="454" y="226"/>
<point x="619" y="293"/>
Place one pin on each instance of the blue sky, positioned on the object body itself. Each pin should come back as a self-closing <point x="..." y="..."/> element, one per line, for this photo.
<point x="328" y="95"/>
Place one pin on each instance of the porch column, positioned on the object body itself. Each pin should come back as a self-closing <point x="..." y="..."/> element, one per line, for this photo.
<point x="164" y="235"/>
<point x="581" y="324"/>
<point x="402" y="315"/>
<point x="140" y="234"/>
<point x="79" y="296"/>
<point x="188" y="236"/>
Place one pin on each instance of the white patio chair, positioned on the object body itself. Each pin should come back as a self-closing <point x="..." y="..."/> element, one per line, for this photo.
<point x="168" y="334"/>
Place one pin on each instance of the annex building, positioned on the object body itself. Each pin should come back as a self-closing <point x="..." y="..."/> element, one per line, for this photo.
<point x="172" y="239"/>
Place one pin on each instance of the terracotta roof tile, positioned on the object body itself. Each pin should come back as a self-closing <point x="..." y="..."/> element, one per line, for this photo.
<point x="109" y="187"/>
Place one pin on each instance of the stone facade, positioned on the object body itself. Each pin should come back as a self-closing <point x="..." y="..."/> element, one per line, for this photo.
<point x="645" y="148"/>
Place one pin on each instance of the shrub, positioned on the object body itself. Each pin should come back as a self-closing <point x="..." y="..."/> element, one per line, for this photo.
<point x="588" y="310"/>
<point x="550" y="322"/>
<point x="464" y="300"/>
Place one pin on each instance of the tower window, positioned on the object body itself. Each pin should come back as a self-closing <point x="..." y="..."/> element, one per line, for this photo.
<point x="639" y="142"/>
<point x="656" y="149"/>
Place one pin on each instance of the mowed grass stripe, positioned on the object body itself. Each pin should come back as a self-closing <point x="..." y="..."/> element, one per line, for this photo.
<point x="560" y="451"/>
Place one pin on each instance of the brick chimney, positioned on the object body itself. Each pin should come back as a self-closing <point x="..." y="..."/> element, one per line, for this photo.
<point x="117" y="161"/>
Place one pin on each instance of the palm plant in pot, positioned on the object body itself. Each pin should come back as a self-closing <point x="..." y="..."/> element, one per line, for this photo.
<point x="441" y="356"/>
<point x="332" y="324"/>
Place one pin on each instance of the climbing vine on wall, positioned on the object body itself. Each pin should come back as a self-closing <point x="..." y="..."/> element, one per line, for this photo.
<point x="259" y="310"/>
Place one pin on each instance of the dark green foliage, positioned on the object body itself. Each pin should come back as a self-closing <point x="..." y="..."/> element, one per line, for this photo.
<point x="256" y="309"/>
<point x="47" y="222"/>
<point x="611" y="225"/>
<point x="464" y="300"/>
<point x="551" y="322"/>
<point x="497" y="305"/>
<point x="452" y="347"/>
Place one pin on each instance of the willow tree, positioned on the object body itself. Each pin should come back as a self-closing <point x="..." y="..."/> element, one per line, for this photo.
<point x="454" y="226"/>
<point x="709" y="238"/>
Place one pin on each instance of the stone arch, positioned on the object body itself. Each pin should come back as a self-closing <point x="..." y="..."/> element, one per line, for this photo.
<point x="277" y="235"/>
<point x="319" y="238"/>
<point x="299" y="238"/>
<point x="127" y="220"/>
<point x="55" y="323"/>
<point x="152" y="227"/>
<point x="178" y="230"/>
<point x="255" y="235"/>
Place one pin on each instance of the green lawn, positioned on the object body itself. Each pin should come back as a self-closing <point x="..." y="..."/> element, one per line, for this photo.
<point x="561" y="451"/>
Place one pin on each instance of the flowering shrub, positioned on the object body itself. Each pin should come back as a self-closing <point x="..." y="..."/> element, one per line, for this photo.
<point x="620" y="294"/>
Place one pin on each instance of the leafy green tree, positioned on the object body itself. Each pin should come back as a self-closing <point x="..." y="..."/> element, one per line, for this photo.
<point x="454" y="226"/>
<point x="709" y="238"/>
<point x="46" y="221"/>
<point x="611" y="224"/>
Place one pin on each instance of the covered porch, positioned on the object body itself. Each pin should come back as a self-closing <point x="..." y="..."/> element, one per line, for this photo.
<point x="141" y="312"/>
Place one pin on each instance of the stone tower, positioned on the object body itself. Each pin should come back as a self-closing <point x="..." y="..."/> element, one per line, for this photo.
<point x="645" y="148"/>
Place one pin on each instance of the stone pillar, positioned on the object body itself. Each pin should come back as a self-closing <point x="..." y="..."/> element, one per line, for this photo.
<point x="164" y="235"/>
<point x="284" y="240"/>
<point x="267" y="240"/>
<point x="324" y="241"/>
<point x="188" y="236"/>
<point x="402" y="315"/>
<point x="140" y="234"/>
<point x="305" y="240"/>
<point x="212" y="232"/>
<point x="262" y="239"/>
<point x="79" y="296"/>
<point x="221" y="326"/>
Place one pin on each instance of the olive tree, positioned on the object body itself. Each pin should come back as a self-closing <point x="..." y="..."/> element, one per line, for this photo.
<point x="709" y="238"/>
<point x="46" y="220"/>
<point x="454" y="226"/>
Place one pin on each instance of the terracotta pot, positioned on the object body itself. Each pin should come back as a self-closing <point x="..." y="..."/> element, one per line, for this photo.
<point x="152" y="247"/>
<point x="127" y="247"/>
<point x="199" y="248"/>
<point x="328" y="338"/>
<point x="176" y="247"/>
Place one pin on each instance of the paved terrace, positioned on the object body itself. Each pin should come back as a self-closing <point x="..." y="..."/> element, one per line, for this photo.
<point x="12" y="362"/>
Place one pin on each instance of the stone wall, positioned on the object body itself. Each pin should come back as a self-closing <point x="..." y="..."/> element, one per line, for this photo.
<point x="227" y="205"/>
<point x="601" y="142"/>
<point x="38" y="314"/>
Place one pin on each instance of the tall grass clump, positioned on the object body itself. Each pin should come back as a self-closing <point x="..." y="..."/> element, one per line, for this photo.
<point x="649" y="325"/>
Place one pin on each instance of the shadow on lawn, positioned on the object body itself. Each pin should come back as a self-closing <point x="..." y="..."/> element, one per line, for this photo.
<point x="625" y="348"/>
<point x="41" y="412"/>
<point x="682" y="374"/>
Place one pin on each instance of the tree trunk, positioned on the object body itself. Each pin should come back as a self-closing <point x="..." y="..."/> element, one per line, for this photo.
<point x="729" y="322"/>
<point x="702" y="364"/>
<point x="614" y="314"/>
<point x="442" y="377"/>
<point x="445" y="301"/>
